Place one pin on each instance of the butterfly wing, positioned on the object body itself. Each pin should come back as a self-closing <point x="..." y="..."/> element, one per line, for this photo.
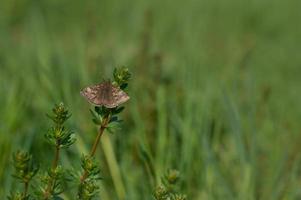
<point x="118" y="97"/>
<point x="105" y="94"/>
<point x="93" y="94"/>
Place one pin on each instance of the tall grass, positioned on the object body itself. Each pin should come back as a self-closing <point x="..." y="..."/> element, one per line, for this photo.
<point x="216" y="93"/>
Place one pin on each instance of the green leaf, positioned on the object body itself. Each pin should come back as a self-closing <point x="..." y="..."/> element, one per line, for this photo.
<point x="123" y="86"/>
<point x="121" y="76"/>
<point x="117" y="110"/>
<point x="113" y="119"/>
<point x="97" y="119"/>
<point x="57" y="198"/>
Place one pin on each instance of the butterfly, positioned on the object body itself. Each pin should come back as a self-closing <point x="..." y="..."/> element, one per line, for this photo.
<point x="105" y="94"/>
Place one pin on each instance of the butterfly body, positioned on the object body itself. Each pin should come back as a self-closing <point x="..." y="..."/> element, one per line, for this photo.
<point x="105" y="94"/>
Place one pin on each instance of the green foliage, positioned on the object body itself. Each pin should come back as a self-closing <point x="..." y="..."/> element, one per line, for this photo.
<point x="89" y="164"/>
<point x="24" y="172"/>
<point x="88" y="188"/>
<point x="121" y="77"/>
<point x="58" y="135"/>
<point x="59" y="114"/>
<point x="100" y="113"/>
<point x="24" y="167"/>
<point x="168" y="190"/>
<point x="52" y="183"/>
<point x="18" y="196"/>
<point x="208" y="51"/>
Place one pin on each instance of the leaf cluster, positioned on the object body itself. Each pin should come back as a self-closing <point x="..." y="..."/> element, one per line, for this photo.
<point x="25" y="170"/>
<point x="58" y="135"/>
<point x="168" y="189"/>
<point x="121" y="77"/>
<point x="59" y="114"/>
<point x="18" y="196"/>
<point x="89" y="164"/>
<point x="57" y="178"/>
<point x="89" y="188"/>
<point x="100" y="114"/>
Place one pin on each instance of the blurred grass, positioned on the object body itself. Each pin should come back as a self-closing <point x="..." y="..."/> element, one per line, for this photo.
<point x="215" y="91"/>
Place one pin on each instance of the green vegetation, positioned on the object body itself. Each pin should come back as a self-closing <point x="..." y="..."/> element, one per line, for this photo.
<point x="53" y="183"/>
<point x="215" y="94"/>
<point x="24" y="172"/>
<point x="168" y="188"/>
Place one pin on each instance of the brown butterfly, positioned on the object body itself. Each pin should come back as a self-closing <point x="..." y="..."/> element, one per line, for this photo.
<point x="105" y="94"/>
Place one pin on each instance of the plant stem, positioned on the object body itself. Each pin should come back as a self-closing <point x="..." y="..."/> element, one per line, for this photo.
<point x="96" y="142"/>
<point x="54" y="166"/>
<point x="26" y="184"/>
<point x="57" y="155"/>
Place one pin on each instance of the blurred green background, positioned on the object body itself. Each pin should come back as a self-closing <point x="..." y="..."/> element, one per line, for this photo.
<point x="215" y="91"/>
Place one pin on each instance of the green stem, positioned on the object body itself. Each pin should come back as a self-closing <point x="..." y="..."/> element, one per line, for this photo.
<point x="96" y="142"/>
<point x="54" y="166"/>
<point x="95" y="145"/>
<point x="26" y="184"/>
<point x="56" y="159"/>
